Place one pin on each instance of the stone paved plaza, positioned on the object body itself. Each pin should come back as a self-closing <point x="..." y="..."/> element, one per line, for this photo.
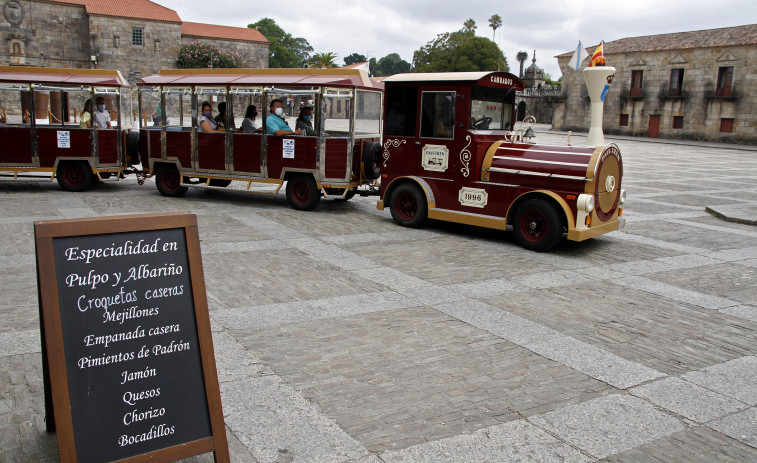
<point x="342" y="337"/>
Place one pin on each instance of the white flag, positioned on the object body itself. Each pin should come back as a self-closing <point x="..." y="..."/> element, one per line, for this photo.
<point x="578" y="56"/>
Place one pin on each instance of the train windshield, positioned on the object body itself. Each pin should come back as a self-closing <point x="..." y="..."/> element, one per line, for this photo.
<point x="491" y="108"/>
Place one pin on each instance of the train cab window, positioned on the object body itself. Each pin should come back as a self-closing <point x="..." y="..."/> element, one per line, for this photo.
<point x="438" y="115"/>
<point x="401" y="111"/>
<point x="491" y="108"/>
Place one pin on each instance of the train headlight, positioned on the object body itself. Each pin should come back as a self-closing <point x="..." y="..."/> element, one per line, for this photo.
<point x="585" y="203"/>
<point x="622" y="195"/>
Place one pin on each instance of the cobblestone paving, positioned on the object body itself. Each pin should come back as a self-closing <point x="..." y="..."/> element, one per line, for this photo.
<point x="341" y="337"/>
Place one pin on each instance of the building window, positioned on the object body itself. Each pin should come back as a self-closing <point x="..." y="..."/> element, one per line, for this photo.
<point x="624" y="120"/>
<point x="137" y="36"/>
<point x="636" y="80"/>
<point x="677" y="122"/>
<point x="725" y="79"/>
<point x="726" y="123"/>
<point x="676" y="82"/>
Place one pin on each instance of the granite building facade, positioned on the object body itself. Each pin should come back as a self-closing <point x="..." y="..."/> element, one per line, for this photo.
<point x="698" y="85"/>
<point x="138" y="37"/>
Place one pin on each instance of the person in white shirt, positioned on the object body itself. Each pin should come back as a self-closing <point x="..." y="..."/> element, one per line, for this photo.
<point x="101" y="116"/>
<point x="206" y="123"/>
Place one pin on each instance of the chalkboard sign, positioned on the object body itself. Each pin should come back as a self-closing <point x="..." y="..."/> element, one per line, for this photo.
<point x="127" y="350"/>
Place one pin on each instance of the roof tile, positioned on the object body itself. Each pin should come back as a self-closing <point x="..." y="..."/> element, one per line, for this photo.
<point x="143" y="9"/>
<point x="723" y="37"/>
<point x="222" y="32"/>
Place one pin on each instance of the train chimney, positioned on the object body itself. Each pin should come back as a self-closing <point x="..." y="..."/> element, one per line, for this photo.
<point x="598" y="80"/>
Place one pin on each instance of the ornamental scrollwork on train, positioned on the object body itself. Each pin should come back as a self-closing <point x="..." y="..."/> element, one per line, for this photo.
<point x="394" y="143"/>
<point x="465" y="157"/>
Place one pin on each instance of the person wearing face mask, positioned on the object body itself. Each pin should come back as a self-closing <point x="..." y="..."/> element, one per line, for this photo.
<point x="305" y="122"/>
<point x="206" y="123"/>
<point x="248" y="124"/>
<point x="275" y="124"/>
<point x="101" y="116"/>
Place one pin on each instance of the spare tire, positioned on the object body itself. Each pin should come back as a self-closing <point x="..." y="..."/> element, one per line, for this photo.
<point x="132" y="148"/>
<point x="372" y="160"/>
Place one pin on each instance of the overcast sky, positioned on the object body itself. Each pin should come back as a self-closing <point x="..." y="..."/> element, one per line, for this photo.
<point x="551" y="27"/>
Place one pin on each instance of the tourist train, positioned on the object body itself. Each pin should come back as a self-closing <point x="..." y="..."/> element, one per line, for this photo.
<point x="442" y="146"/>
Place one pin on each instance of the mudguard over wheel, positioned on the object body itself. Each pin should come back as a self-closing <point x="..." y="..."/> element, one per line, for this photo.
<point x="74" y="175"/>
<point x="302" y="193"/>
<point x="408" y="205"/>
<point x="538" y="225"/>
<point x="372" y="160"/>
<point x="168" y="181"/>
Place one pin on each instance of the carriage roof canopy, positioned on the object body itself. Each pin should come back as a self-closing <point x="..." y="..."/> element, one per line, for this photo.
<point x="62" y="76"/>
<point x="255" y="77"/>
<point x="477" y="77"/>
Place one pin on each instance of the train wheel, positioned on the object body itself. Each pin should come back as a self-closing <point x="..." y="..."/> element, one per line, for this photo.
<point x="168" y="181"/>
<point x="302" y="193"/>
<point x="408" y="206"/>
<point x="74" y="176"/>
<point x="538" y="225"/>
<point x="372" y="160"/>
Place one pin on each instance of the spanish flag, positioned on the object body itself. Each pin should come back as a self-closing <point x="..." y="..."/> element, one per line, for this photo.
<point x="595" y="57"/>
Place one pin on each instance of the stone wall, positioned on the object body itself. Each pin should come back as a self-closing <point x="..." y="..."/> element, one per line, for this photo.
<point x="44" y="34"/>
<point x="254" y="54"/>
<point x="698" y="105"/>
<point x="112" y="44"/>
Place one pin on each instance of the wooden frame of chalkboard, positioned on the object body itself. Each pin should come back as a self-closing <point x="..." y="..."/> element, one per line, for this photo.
<point x="118" y="323"/>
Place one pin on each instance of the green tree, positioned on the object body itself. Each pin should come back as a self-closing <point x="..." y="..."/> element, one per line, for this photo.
<point x="284" y="50"/>
<point x="522" y="56"/>
<point x="201" y="55"/>
<point x="495" y="22"/>
<point x="469" y="25"/>
<point x="372" y="67"/>
<point x="323" y="60"/>
<point x="391" y="64"/>
<point x="459" y="51"/>
<point x="354" y="59"/>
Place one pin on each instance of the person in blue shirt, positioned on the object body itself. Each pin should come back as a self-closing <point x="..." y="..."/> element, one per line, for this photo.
<point x="275" y="123"/>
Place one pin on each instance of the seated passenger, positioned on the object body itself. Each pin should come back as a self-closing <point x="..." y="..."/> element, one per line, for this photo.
<point x="275" y="123"/>
<point x="221" y="117"/>
<point x="206" y="123"/>
<point x="248" y="124"/>
<point x="101" y="116"/>
<point x="86" y="115"/>
<point x="304" y="122"/>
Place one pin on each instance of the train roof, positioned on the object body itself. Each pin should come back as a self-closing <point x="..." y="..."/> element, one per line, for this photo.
<point x="62" y="76"/>
<point x="307" y="77"/>
<point x="480" y="77"/>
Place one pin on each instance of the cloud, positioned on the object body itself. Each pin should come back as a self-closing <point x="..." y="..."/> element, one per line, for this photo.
<point x="551" y="27"/>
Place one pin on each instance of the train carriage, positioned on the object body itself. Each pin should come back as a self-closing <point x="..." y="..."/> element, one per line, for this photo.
<point x="40" y="130"/>
<point x="343" y="155"/>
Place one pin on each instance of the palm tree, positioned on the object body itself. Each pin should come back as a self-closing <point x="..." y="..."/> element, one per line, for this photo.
<point x="469" y="25"/>
<point x="495" y="22"/>
<point x="323" y="60"/>
<point x="522" y="56"/>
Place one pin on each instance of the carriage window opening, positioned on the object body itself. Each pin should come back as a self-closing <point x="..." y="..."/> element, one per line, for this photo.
<point x="438" y="114"/>
<point x="491" y="108"/>
<point x="401" y="111"/>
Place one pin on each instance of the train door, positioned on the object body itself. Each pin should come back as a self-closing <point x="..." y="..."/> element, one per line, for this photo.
<point x="437" y="142"/>
<point x="400" y="146"/>
<point x="15" y="130"/>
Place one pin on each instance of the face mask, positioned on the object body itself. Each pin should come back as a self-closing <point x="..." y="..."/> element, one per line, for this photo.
<point x="307" y="118"/>
<point x="101" y="107"/>
<point x="279" y="111"/>
<point x="207" y="114"/>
